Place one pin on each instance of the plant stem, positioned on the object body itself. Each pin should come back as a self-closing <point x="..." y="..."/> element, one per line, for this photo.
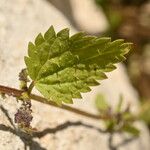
<point x="17" y="93"/>
<point x="31" y="86"/>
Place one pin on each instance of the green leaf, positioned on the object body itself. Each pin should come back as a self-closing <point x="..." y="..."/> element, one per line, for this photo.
<point x="127" y="116"/>
<point x="63" y="67"/>
<point x="119" y="105"/>
<point x="110" y="125"/>
<point x="101" y="103"/>
<point x="145" y="112"/>
<point x="131" y="129"/>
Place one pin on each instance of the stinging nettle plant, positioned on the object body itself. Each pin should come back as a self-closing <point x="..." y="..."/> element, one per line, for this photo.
<point x="61" y="67"/>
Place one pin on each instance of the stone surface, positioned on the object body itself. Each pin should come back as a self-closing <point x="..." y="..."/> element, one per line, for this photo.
<point x="83" y="14"/>
<point x="20" y="22"/>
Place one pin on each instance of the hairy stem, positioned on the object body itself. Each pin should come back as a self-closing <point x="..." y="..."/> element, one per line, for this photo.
<point x="17" y="93"/>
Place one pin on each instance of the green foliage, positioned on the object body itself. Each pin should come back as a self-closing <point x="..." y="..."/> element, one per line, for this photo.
<point x="120" y="120"/>
<point x="145" y="112"/>
<point x="131" y="129"/>
<point x="119" y="105"/>
<point x="102" y="2"/>
<point x="101" y="103"/>
<point x="62" y="67"/>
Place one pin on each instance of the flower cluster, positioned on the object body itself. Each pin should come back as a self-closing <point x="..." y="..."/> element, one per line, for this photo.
<point x="23" y="117"/>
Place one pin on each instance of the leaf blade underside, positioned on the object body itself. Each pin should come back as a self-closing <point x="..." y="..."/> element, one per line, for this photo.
<point x="63" y="67"/>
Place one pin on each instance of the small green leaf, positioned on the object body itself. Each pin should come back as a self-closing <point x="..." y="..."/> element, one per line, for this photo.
<point x="127" y="116"/>
<point x="119" y="105"/>
<point x="63" y="67"/>
<point x="131" y="129"/>
<point x="110" y="124"/>
<point x="101" y="103"/>
<point x="145" y="113"/>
